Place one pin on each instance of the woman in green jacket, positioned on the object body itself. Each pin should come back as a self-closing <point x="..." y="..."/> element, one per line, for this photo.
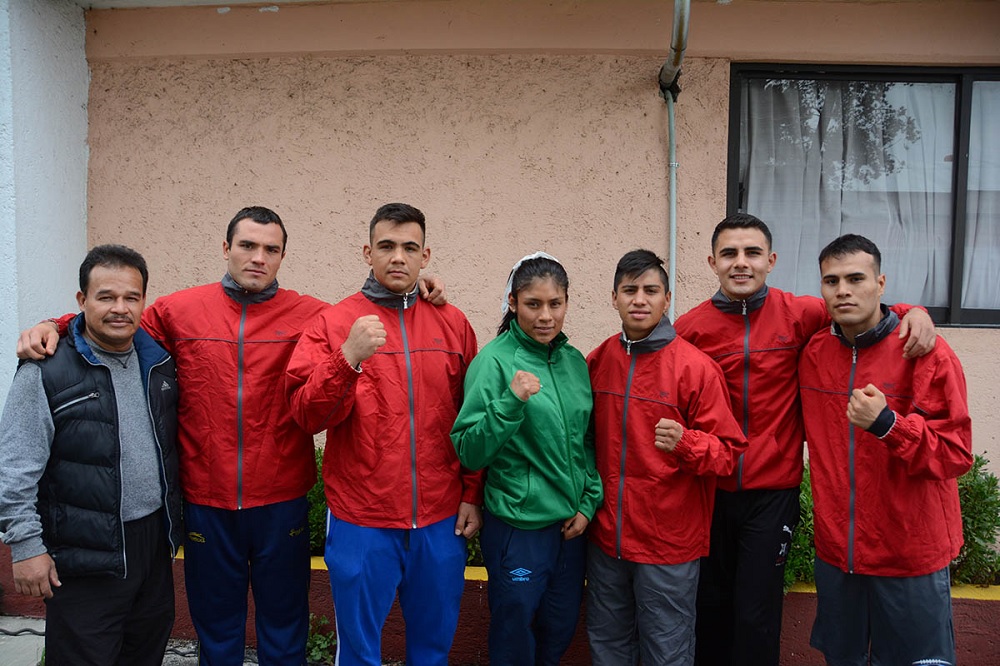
<point x="526" y="418"/>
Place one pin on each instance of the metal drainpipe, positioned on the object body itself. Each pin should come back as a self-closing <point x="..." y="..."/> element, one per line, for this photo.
<point x="669" y="74"/>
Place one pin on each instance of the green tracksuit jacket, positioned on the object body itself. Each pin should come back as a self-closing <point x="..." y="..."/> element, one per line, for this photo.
<point x="539" y="453"/>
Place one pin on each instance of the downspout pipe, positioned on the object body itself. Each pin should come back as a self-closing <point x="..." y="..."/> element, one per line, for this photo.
<point x="670" y="73"/>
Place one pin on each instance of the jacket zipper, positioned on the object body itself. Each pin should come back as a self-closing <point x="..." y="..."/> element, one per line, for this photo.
<point x="159" y="447"/>
<point x="90" y="396"/>
<point x="413" y="430"/>
<point x="621" y="472"/>
<point x="850" y="451"/>
<point x="746" y="392"/>
<point x="577" y="492"/>
<point x="239" y="406"/>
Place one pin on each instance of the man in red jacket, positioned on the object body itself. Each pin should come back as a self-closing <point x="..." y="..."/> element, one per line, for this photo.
<point x="756" y="333"/>
<point x="663" y="433"/>
<point x="887" y="439"/>
<point x="245" y="464"/>
<point x="382" y="372"/>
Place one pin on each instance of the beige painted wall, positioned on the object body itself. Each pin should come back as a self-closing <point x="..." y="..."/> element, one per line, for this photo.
<point x="515" y="126"/>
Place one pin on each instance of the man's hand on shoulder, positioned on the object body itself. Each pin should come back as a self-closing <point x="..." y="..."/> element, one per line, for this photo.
<point x="38" y="341"/>
<point x="432" y="288"/>
<point x="917" y="324"/>
<point x="36" y="576"/>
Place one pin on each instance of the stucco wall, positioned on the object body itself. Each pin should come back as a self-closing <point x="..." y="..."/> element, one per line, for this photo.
<point x="506" y="155"/>
<point x="43" y="168"/>
<point x="514" y="126"/>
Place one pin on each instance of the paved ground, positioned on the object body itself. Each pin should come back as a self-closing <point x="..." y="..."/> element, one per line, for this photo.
<point x="22" y="640"/>
<point x="185" y="653"/>
<point x="24" y="648"/>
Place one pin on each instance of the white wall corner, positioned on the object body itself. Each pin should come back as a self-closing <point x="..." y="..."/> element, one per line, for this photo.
<point x="44" y="85"/>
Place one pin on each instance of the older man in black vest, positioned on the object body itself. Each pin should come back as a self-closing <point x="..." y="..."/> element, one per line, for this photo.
<point x="89" y="498"/>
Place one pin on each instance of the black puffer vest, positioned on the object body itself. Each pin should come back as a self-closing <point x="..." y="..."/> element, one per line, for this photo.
<point x="79" y="494"/>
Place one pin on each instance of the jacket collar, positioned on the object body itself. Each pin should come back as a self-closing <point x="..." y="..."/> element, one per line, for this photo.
<point x="658" y="338"/>
<point x="376" y="292"/>
<point x="729" y="306"/>
<point x="147" y="350"/>
<point x="244" y="297"/>
<point x="534" y="346"/>
<point x="886" y="325"/>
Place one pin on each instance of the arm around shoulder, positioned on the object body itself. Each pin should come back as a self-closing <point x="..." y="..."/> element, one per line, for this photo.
<point x="40" y="340"/>
<point x="917" y="327"/>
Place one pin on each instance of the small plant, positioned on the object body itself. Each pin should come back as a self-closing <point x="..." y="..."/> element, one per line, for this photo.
<point x="317" y="510"/>
<point x="978" y="562"/>
<point x="475" y="558"/>
<point x="802" y="554"/>
<point x="321" y="646"/>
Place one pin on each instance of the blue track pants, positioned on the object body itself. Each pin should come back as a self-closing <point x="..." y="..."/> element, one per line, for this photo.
<point x="265" y="548"/>
<point x="369" y="564"/>
<point x="535" y="587"/>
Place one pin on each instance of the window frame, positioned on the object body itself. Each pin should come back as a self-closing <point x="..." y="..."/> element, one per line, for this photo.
<point x="963" y="78"/>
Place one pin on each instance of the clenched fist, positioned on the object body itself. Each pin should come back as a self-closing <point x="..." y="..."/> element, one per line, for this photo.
<point x="865" y="405"/>
<point x="668" y="433"/>
<point x="367" y="334"/>
<point x="524" y="385"/>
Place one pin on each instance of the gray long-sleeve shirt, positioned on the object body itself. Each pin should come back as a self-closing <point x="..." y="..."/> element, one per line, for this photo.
<point x="26" y="433"/>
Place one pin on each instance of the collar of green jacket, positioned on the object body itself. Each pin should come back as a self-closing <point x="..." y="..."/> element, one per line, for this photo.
<point x="535" y="347"/>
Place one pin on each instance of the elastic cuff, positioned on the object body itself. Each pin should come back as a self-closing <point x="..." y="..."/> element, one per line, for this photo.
<point x="340" y="361"/>
<point x="510" y="404"/>
<point x="30" y="547"/>
<point x="683" y="446"/>
<point x="883" y="423"/>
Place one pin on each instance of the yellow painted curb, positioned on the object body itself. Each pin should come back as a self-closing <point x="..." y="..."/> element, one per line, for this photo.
<point x="991" y="593"/>
<point x="475" y="573"/>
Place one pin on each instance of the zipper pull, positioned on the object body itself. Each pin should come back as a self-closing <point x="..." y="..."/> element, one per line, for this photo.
<point x="405" y="300"/>
<point x="628" y="347"/>
<point x="744" y="308"/>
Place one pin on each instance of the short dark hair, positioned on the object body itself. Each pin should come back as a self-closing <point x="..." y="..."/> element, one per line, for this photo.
<point x="260" y="215"/>
<point x="637" y="262"/>
<point x="397" y="213"/>
<point x="530" y="270"/>
<point x="742" y="221"/>
<point x="112" y="256"/>
<point x="851" y="244"/>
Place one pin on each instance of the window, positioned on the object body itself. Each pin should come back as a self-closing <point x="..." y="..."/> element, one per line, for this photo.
<point x="909" y="158"/>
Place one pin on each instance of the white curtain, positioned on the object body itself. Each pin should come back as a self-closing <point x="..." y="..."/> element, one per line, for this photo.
<point x="981" y="274"/>
<point x="825" y="158"/>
